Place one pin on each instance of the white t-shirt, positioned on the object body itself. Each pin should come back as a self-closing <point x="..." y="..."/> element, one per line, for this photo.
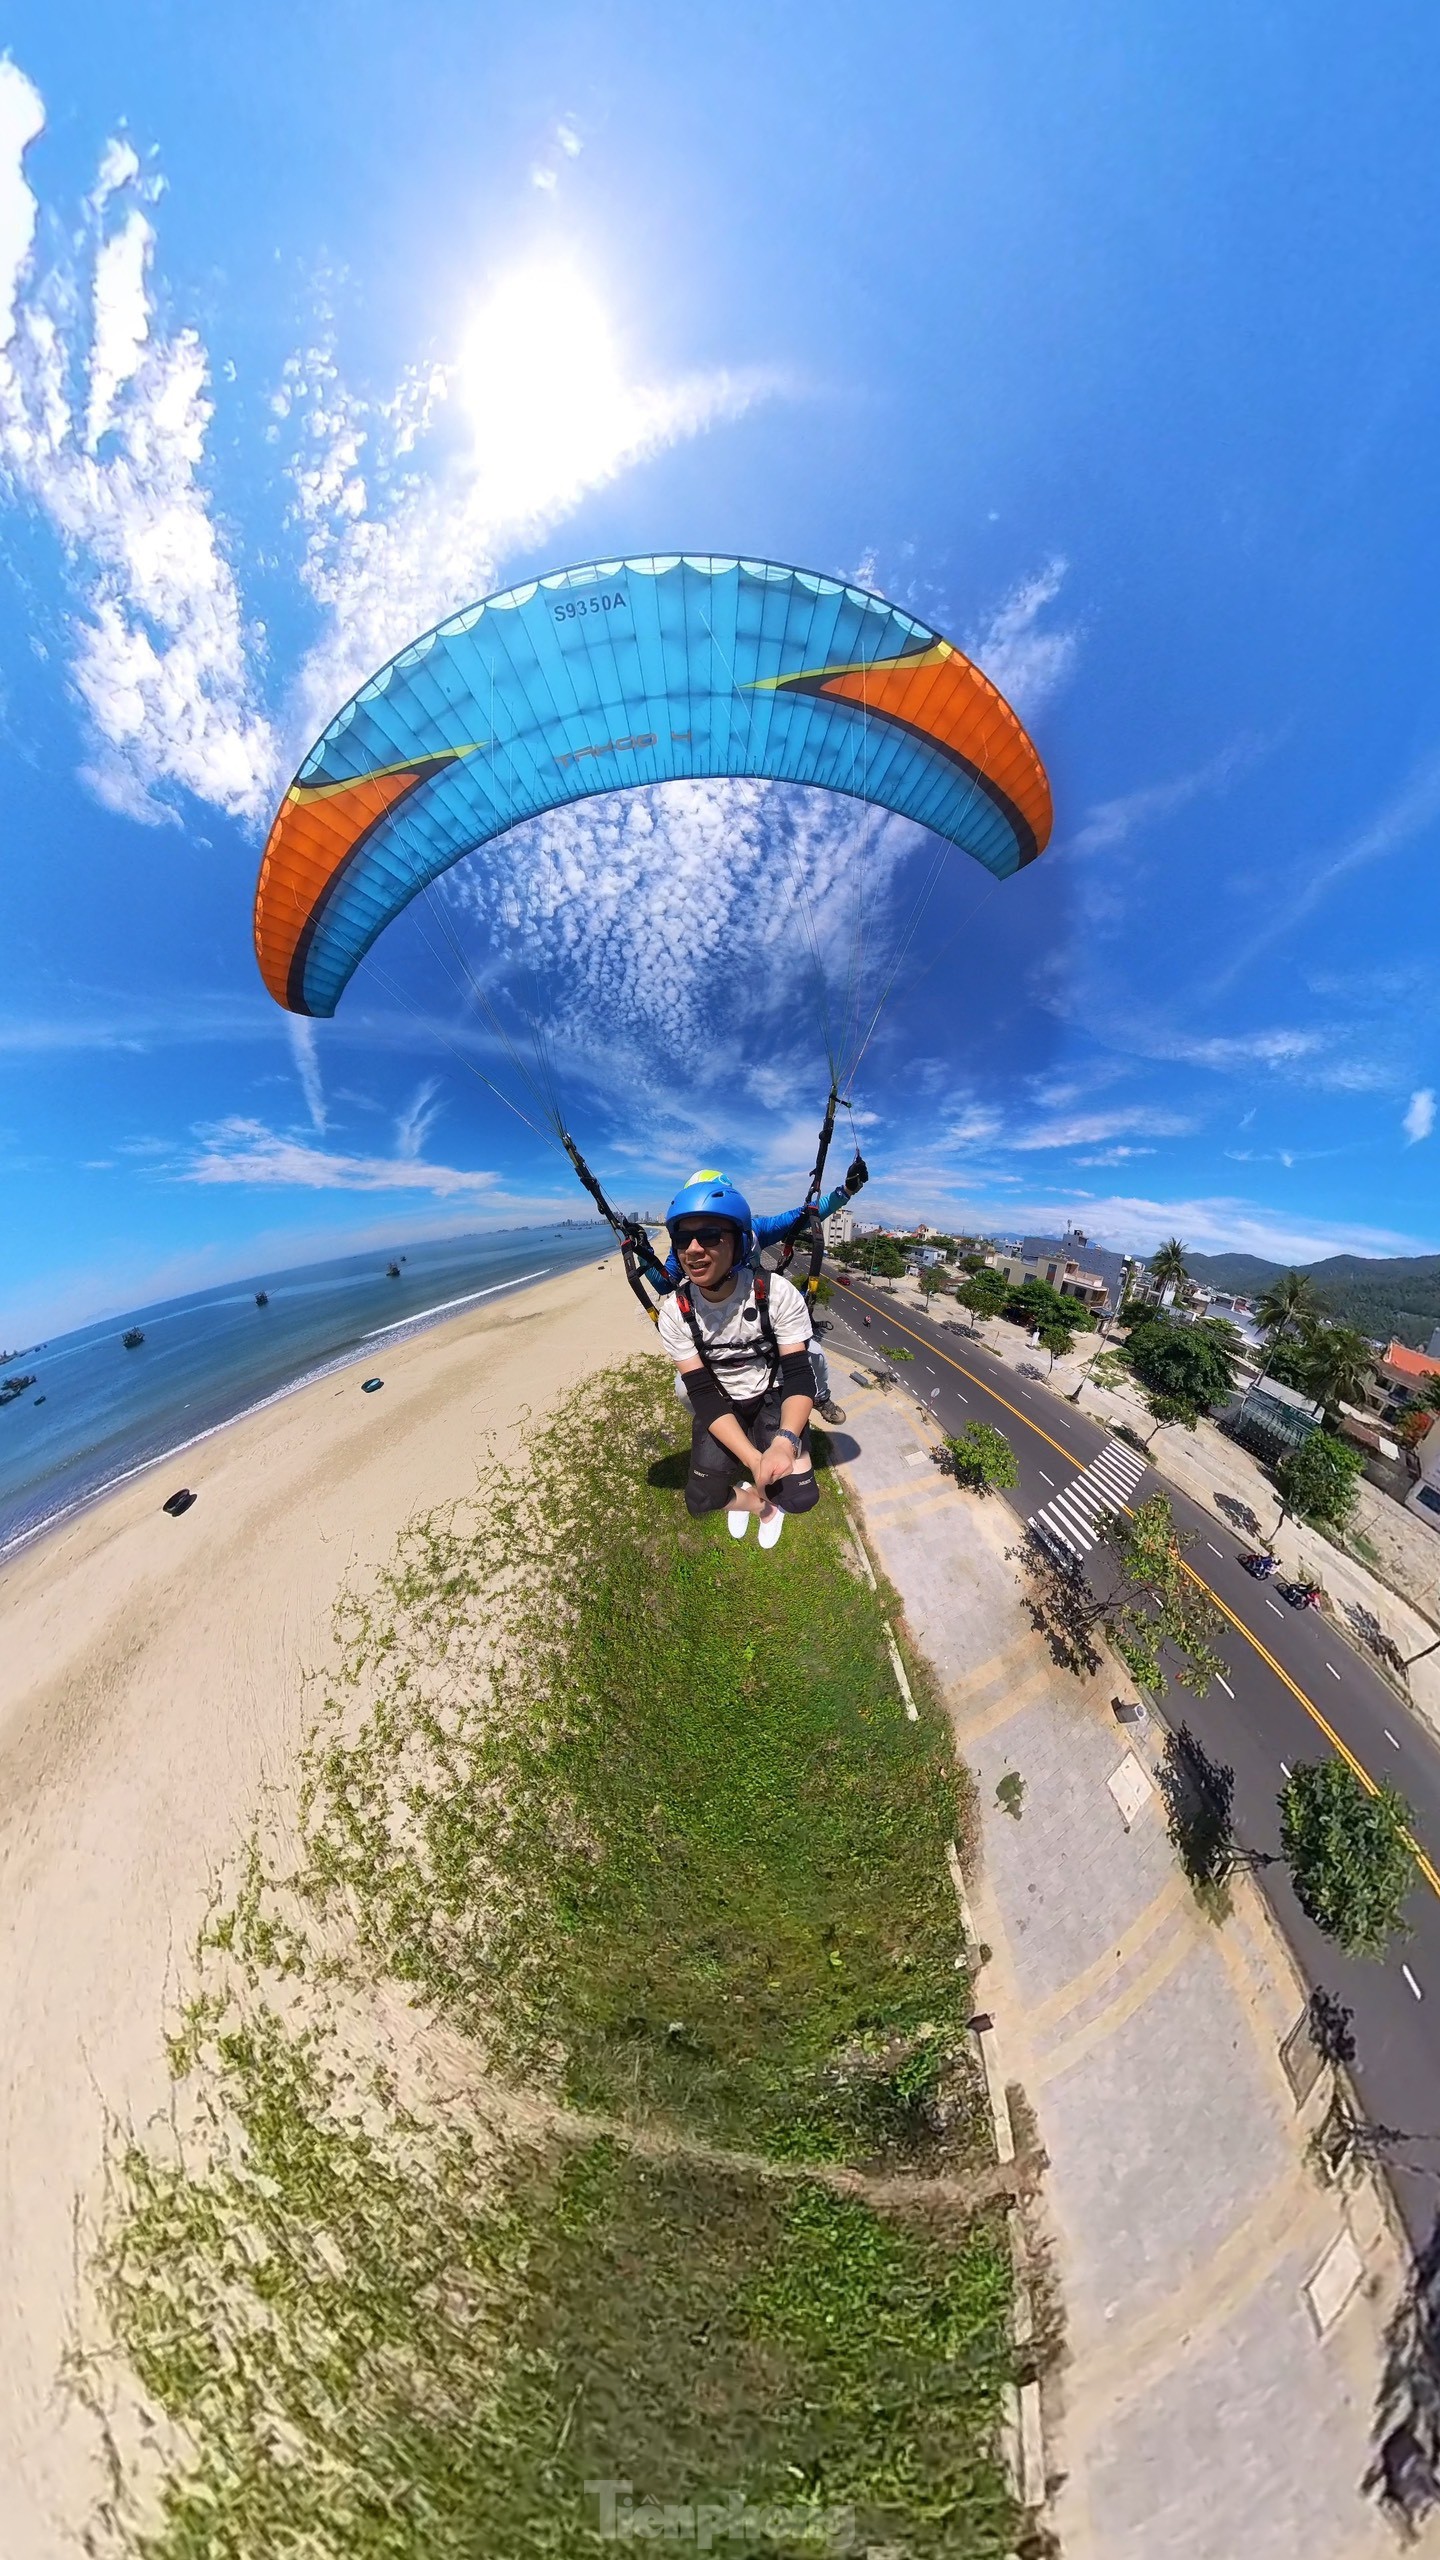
<point x="731" y="1332"/>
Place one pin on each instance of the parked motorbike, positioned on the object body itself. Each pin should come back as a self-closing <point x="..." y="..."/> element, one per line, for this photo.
<point x="1261" y="1566"/>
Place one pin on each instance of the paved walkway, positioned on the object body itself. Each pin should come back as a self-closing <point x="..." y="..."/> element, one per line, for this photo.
<point x="1212" y="2398"/>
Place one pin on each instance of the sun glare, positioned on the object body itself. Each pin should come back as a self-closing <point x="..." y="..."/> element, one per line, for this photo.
<point x="539" y="375"/>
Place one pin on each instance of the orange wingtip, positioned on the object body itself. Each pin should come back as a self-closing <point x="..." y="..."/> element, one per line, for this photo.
<point x="317" y="830"/>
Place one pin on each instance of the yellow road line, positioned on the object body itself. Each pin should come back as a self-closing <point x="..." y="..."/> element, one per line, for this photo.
<point x="1428" y="1871"/>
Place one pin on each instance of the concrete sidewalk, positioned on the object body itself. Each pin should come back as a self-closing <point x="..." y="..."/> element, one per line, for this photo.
<point x="1223" y="2309"/>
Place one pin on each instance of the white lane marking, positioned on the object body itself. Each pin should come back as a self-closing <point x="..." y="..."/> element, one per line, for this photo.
<point x="963" y="1398"/>
<point x="1274" y="1604"/>
<point x="1048" y="1479"/>
<point x="1330" y="1667"/>
<point x="1214" y="1550"/>
<point x="1414" y="1985"/>
<point x="1390" y="1738"/>
<point x="1225" y="1685"/>
<point x="1284" y="1771"/>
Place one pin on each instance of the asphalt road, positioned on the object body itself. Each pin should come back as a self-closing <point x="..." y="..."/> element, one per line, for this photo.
<point x="1292" y="1691"/>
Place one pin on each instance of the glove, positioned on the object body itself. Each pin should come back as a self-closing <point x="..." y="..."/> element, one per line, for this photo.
<point x="857" y="1176"/>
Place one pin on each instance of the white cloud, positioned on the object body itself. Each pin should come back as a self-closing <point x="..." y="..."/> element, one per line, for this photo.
<point x="1414" y="808"/>
<point x="119" y="167"/>
<point x="628" y="913"/>
<point x="1115" y="1155"/>
<point x="159" y="647"/>
<point x="1112" y="822"/>
<point x="238" y="1150"/>
<point x="417" y="1119"/>
<point x="1093" y="1128"/>
<point x="521" y="450"/>
<point x="307" y="1067"/>
<point x="983" y="1125"/>
<point x="568" y="139"/>
<point x="1420" y="1117"/>
<point x="104" y="430"/>
<point x="121" y="319"/>
<point x="1027" y="663"/>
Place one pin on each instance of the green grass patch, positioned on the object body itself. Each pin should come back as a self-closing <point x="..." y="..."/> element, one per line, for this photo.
<point x="631" y="1798"/>
<point x="633" y="1817"/>
<point x="387" y="2346"/>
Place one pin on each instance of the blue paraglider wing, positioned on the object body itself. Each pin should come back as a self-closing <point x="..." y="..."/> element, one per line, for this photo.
<point x="607" y="677"/>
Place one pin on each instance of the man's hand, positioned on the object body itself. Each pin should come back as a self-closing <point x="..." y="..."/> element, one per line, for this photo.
<point x="774" y="1462"/>
<point x="857" y="1175"/>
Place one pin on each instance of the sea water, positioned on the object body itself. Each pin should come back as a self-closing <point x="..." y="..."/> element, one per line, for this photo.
<point x="98" y="1412"/>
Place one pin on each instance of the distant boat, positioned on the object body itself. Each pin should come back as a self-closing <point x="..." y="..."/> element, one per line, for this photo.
<point x="262" y="1297"/>
<point x="132" y="1338"/>
<point x="392" y="1271"/>
<point x="10" y="1388"/>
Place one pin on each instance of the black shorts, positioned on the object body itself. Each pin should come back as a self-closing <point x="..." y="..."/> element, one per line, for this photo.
<point x="714" y="1473"/>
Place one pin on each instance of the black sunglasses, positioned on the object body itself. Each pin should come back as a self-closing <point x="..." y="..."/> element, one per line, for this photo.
<point x="709" y="1237"/>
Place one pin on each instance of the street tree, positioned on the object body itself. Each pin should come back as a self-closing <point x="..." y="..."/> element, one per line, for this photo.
<point x="883" y="1258"/>
<point x="984" y="1293"/>
<point x="1171" y="1409"/>
<point x="933" y="1280"/>
<point x="1350" y="1853"/>
<point x="1034" y="1302"/>
<point x="1317" y="1481"/>
<point x="1056" y="1338"/>
<point x="1192" y="1361"/>
<point x="981" y="1458"/>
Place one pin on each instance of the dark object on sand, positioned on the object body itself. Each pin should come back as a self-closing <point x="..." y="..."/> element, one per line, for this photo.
<point x="132" y="1338"/>
<point x="262" y="1297"/>
<point x="178" y="1502"/>
<point x="368" y="1386"/>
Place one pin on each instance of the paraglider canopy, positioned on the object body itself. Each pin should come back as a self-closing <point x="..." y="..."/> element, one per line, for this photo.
<point x="608" y="677"/>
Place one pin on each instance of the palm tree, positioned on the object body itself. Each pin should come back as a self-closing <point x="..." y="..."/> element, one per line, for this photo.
<point x="1338" y="1360"/>
<point x="1287" y="1306"/>
<point x="1168" y="1267"/>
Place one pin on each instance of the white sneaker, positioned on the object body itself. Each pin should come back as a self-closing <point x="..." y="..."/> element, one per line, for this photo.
<point x="737" y="1522"/>
<point x="771" y="1524"/>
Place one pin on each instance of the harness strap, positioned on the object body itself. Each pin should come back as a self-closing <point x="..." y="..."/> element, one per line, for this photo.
<point x="760" y="1291"/>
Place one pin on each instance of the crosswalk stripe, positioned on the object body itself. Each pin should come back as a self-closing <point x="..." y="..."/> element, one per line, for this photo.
<point x="1073" y="1524"/>
<point x="1077" y="1516"/>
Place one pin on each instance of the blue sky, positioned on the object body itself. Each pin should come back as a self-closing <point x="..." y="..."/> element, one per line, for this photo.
<point x="1105" y="341"/>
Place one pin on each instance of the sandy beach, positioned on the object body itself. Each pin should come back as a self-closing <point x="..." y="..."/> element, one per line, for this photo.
<point x="151" y="1687"/>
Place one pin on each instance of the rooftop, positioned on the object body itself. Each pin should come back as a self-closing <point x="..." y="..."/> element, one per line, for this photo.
<point x="1411" y="1364"/>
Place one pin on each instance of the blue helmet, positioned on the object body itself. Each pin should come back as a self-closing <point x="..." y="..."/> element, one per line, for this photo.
<point x="713" y="1195"/>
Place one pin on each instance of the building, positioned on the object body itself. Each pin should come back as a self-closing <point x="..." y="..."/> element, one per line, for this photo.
<point x="1401" y="1375"/>
<point x="1071" y="1264"/>
<point x="840" y="1228"/>
<point x="1432" y="1347"/>
<point x="1272" y="1420"/>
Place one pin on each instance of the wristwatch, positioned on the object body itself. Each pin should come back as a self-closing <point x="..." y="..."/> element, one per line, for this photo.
<point x="792" y="1436"/>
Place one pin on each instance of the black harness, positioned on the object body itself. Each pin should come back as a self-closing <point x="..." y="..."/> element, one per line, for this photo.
<point x="733" y="1354"/>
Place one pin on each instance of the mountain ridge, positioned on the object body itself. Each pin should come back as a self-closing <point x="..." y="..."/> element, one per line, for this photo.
<point x="1390" y="1297"/>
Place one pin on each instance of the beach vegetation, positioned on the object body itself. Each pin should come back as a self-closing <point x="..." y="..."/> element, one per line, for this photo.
<point x="671" y="2167"/>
